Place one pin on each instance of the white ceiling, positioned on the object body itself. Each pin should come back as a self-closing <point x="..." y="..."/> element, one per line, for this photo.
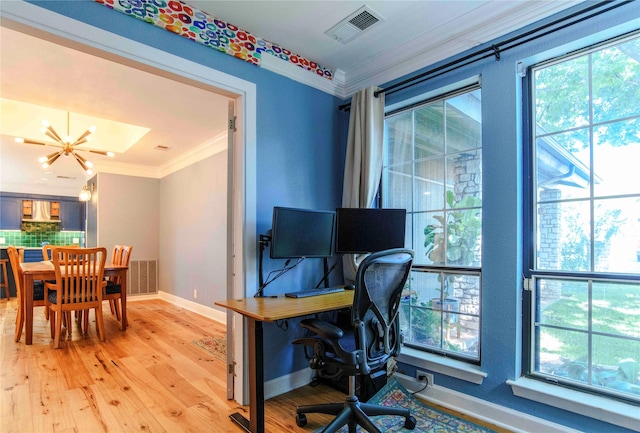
<point x="411" y="35"/>
<point x="94" y="90"/>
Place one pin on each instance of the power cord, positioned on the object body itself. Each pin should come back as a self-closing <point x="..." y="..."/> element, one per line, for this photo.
<point x="426" y="384"/>
<point x="279" y="273"/>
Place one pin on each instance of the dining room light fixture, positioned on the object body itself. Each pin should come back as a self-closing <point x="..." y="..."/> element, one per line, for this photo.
<point x="66" y="145"/>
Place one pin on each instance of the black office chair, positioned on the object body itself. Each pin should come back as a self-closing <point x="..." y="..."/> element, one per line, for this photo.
<point x="374" y="338"/>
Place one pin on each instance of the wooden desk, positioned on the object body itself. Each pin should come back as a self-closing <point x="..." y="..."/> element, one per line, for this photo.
<point x="259" y="310"/>
<point x="45" y="271"/>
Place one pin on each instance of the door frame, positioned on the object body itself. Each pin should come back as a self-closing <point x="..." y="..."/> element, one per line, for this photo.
<point x="45" y="24"/>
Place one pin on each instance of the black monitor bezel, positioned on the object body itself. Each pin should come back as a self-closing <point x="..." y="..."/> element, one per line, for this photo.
<point x="374" y="242"/>
<point x="276" y="233"/>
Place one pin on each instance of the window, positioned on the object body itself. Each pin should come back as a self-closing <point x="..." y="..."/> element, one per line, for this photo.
<point x="585" y="316"/>
<point x="433" y="169"/>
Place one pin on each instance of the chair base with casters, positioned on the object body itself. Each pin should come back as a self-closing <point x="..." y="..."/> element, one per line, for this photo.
<point x="372" y="339"/>
<point x="353" y="412"/>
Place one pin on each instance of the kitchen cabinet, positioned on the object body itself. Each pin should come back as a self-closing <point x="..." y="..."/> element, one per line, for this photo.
<point x="14" y="207"/>
<point x="10" y="213"/>
<point x="55" y="209"/>
<point x="71" y="215"/>
<point x="32" y="255"/>
<point x="27" y="208"/>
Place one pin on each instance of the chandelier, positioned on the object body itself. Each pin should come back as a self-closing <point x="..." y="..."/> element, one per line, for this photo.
<point x="66" y="145"/>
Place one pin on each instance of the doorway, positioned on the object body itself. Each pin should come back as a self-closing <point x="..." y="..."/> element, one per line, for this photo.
<point x="39" y="22"/>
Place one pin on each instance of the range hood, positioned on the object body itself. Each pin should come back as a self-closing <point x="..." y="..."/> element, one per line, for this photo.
<point x="41" y="211"/>
<point x="40" y="216"/>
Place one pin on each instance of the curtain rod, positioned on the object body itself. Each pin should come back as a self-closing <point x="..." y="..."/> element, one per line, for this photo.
<point x="495" y="49"/>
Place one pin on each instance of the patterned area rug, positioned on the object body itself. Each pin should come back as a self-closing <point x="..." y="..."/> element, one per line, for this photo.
<point x="214" y="345"/>
<point x="428" y="419"/>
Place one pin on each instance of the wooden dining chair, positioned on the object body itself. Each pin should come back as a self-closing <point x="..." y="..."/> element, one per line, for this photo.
<point x="116" y="257"/>
<point x="38" y="290"/>
<point x="120" y="255"/>
<point x="46" y="255"/>
<point x="79" y="286"/>
<point x="114" y="284"/>
<point x="46" y="250"/>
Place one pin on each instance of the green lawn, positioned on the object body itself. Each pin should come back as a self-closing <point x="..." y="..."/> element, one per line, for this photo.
<point x="615" y="310"/>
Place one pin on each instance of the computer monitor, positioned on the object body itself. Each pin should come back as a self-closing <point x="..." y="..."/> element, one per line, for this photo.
<point x="297" y="233"/>
<point x="361" y="231"/>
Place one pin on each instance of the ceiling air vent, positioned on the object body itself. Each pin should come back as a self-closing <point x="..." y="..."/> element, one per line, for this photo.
<point x="163" y="148"/>
<point x="351" y="27"/>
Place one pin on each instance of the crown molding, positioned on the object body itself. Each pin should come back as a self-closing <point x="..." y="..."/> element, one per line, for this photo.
<point x="41" y="188"/>
<point x="333" y="87"/>
<point x="207" y="149"/>
<point x="412" y="57"/>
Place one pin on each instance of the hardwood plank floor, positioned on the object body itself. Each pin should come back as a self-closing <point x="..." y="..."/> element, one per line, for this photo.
<point x="150" y="378"/>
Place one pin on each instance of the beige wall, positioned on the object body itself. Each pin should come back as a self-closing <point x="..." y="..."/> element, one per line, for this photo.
<point x="128" y="214"/>
<point x="193" y="231"/>
<point x="180" y="220"/>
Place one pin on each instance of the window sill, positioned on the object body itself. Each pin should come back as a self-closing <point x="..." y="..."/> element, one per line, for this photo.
<point x="443" y="365"/>
<point x="601" y="408"/>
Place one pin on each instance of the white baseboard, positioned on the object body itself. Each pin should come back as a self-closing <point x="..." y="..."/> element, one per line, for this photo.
<point x="203" y="310"/>
<point x="483" y="410"/>
<point x="288" y="382"/>
<point x="133" y="298"/>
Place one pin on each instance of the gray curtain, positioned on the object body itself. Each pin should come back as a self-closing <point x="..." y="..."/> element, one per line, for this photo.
<point x="363" y="164"/>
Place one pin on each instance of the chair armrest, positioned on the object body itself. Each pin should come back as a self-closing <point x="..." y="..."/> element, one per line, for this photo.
<point x="323" y="329"/>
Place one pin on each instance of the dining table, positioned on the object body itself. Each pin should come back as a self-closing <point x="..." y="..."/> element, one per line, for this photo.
<point x="44" y="270"/>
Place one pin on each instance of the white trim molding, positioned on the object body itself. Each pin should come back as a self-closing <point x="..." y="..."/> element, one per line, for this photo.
<point x="483" y="410"/>
<point x="439" y="364"/>
<point x="333" y="87"/>
<point x="288" y="382"/>
<point x="593" y="406"/>
<point x="208" y="312"/>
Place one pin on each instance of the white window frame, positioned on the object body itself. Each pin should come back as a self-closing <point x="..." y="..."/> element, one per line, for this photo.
<point x="570" y="389"/>
<point x="452" y="364"/>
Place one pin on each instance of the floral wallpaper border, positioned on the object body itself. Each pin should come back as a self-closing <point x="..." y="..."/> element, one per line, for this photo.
<point x="191" y="23"/>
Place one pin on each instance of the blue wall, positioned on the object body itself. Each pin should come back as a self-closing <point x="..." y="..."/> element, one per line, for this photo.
<point x="503" y="188"/>
<point x="300" y="154"/>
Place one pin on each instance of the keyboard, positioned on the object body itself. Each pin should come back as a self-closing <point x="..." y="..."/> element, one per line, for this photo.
<point x="314" y="292"/>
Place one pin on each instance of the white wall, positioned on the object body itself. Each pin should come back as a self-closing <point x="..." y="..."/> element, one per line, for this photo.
<point x="193" y="231"/>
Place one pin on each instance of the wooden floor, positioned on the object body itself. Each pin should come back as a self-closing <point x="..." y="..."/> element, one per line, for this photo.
<point x="151" y="378"/>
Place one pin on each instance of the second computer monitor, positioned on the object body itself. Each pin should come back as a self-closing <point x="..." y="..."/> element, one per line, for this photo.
<point x="361" y="231"/>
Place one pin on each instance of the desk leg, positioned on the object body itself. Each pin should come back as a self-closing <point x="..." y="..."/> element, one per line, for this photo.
<point x="27" y="306"/>
<point x="256" y="381"/>
<point x="123" y="301"/>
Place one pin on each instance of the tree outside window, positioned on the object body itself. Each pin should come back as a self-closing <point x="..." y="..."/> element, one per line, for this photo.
<point x="586" y="321"/>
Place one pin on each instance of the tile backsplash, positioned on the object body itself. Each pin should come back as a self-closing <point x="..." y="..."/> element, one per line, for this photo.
<point x="35" y="237"/>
